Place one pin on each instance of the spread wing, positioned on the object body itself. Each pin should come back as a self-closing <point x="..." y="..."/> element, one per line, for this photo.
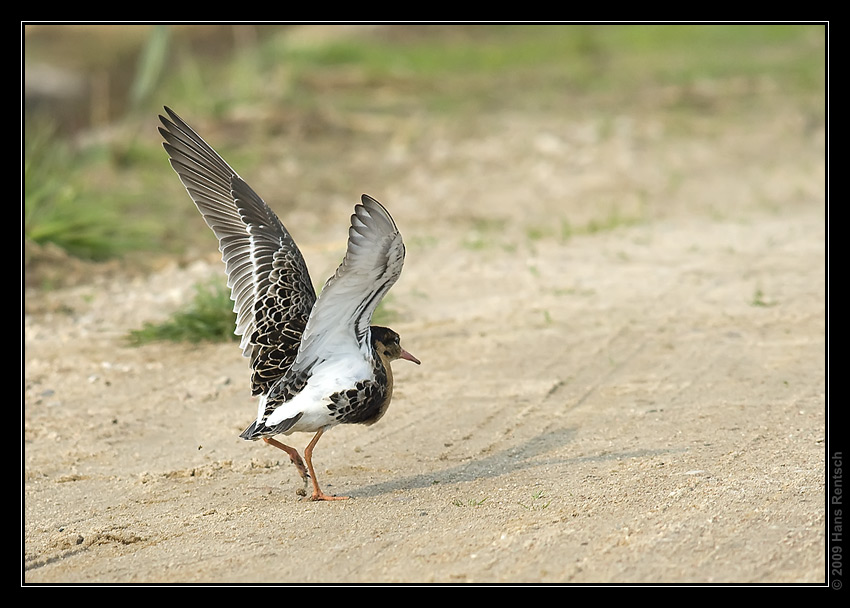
<point x="266" y="273"/>
<point x="342" y="315"/>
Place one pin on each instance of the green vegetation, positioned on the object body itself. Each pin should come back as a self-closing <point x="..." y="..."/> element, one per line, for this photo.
<point x="539" y="501"/>
<point x="468" y="503"/>
<point x="209" y="317"/>
<point x="759" y="299"/>
<point x="100" y="200"/>
<point x="587" y="57"/>
<point x="60" y="209"/>
<point x="99" y="197"/>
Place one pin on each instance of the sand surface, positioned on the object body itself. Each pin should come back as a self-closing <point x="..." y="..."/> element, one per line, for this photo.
<point x="635" y="400"/>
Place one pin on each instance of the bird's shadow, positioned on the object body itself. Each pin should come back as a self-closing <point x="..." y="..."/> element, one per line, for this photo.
<point x="532" y="453"/>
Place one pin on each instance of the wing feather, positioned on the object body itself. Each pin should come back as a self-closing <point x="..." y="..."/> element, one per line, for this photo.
<point x="266" y="273"/>
<point x="342" y="315"/>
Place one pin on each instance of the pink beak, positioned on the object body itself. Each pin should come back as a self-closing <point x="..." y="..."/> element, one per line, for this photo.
<point x="406" y="355"/>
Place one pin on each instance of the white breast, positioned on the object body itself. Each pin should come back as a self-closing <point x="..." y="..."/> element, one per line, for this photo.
<point x="327" y="378"/>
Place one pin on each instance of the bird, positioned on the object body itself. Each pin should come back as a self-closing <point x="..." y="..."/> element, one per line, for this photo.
<point x="316" y="360"/>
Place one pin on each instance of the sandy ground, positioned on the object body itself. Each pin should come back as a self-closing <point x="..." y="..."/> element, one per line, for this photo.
<point x="643" y="403"/>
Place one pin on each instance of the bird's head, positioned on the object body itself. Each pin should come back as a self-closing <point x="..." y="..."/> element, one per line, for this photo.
<point x="388" y="345"/>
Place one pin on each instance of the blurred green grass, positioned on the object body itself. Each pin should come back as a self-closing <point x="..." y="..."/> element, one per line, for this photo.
<point x="105" y="198"/>
<point x="99" y="198"/>
<point x="63" y="206"/>
<point x="208" y="317"/>
<point x="592" y="57"/>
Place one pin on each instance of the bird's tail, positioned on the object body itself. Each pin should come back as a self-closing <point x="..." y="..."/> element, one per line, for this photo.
<point x="251" y="433"/>
<point x="258" y="429"/>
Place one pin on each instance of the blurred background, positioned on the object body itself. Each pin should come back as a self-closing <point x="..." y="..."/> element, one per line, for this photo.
<point x="615" y="281"/>
<point x="570" y="123"/>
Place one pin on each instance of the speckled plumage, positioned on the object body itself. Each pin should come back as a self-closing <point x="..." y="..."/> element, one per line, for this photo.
<point x="316" y="361"/>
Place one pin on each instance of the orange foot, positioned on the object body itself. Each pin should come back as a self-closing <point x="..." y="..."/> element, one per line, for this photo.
<point x="319" y="495"/>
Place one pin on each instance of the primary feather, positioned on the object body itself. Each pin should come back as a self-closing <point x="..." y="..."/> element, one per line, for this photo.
<point x="266" y="273"/>
<point x="340" y="321"/>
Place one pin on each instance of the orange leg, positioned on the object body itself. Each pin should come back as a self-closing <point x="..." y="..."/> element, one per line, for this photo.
<point x="296" y="460"/>
<point x="308" y="456"/>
